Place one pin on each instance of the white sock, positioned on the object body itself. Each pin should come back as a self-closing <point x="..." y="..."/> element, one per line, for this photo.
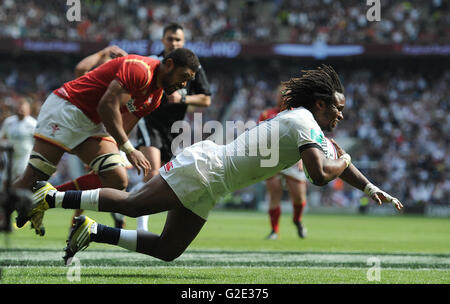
<point x="128" y="239"/>
<point x="58" y="199"/>
<point x="89" y="199"/>
<point x="142" y="223"/>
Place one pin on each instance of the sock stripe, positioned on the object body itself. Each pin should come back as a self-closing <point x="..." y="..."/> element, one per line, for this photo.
<point x="89" y="199"/>
<point x="71" y="199"/>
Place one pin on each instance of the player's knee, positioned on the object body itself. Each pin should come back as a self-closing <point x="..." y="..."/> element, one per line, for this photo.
<point x="171" y="256"/>
<point x="111" y="169"/>
<point x="27" y="179"/>
<point x="39" y="168"/>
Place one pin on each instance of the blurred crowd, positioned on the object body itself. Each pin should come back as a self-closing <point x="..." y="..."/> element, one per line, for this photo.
<point x="306" y="21"/>
<point x="396" y="127"/>
<point x="396" y="122"/>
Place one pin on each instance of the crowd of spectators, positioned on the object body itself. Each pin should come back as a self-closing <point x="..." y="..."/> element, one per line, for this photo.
<point x="396" y="127"/>
<point x="396" y="123"/>
<point x="306" y="21"/>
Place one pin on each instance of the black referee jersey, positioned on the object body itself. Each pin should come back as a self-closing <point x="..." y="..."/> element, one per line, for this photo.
<point x="154" y="129"/>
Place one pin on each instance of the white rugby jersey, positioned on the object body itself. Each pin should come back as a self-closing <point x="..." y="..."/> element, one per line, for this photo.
<point x="19" y="133"/>
<point x="270" y="147"/>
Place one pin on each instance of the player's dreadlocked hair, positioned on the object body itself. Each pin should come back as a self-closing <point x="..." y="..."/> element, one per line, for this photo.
<point x="320" y="83"/>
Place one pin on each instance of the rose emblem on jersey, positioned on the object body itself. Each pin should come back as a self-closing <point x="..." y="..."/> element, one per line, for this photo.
<point x="55" y="128"/>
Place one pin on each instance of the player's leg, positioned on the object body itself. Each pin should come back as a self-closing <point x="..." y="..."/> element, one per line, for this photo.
<point x="108" y="168"/>
<point x="181" y="226"/>
<point x="297" y="191"/>
<point x="155" y="197"/>
<point x="180" y="229"/>
<point x="42" y="164"/>
<point x="104" y="159"/>
<point x="153" y="154"/>
<point x="141" y="221"/>
<point x="275" y="190"/>
<point x="85" y="182"/>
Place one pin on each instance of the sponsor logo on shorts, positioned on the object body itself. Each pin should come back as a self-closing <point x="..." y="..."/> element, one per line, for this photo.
<point x="168" y="166"/>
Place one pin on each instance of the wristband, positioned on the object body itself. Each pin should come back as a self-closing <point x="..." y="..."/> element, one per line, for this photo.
<point x="183" y="98"/>
<point x="347" y="158"/>
<point x="127" y="147"/>
<point x="370" y="189"/>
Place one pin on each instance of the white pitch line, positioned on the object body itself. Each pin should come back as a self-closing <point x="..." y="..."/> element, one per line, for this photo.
<point x="218" y="267"/>
<point x="274" y="259"/>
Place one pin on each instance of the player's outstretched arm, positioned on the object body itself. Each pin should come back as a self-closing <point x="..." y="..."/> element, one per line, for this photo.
<point x="96" y="59"/>
<point x="199" y="100"/>
<point x="109" y="112"/>
<point x="355" y="178"/>
<point x="321" y="169"/>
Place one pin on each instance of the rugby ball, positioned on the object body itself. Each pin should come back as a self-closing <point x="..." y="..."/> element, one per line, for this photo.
<point x="330" y="152"/>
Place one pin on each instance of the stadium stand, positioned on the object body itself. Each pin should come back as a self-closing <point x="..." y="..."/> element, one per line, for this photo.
<point x="389" y="133"/>
<point x="330" y="21"/>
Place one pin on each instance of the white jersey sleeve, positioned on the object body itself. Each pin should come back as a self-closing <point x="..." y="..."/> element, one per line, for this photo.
<point x="5" y="127"/>
<point x="304" y="130"/>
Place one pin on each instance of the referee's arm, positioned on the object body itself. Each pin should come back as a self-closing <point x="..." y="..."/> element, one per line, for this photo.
<point x="200" y="94"/>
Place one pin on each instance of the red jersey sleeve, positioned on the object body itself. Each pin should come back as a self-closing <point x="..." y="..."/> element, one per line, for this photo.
<point x="134" y="75"/>
<point x="263" y="116"/>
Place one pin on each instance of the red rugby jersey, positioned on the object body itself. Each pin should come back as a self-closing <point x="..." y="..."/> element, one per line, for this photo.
<point x="269" y="113"/>
<point x="135" y="73"/>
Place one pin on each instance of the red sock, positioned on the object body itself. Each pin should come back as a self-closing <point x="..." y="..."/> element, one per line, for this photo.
<point x="274" y="215"/>
<point x="298" y="211"/>
<point x="85" y="182"/>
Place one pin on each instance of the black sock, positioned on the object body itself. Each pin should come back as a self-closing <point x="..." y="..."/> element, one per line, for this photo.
<point x="72" y="199"/>
<point x="50" y="200"/>
<point x="105" y="234"/>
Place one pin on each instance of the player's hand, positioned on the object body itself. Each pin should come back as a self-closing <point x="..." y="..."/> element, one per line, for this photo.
<point x="138" y="160"/>
<point x="175" y="97"/>
<point x="113" y="51"/>
<point x="380" y="196"/>
<point x="339" y="150"/>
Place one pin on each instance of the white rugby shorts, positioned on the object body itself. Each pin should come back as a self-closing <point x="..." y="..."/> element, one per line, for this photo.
<point x="196" y="175"/>
<point x="64" y="125"/>
<point x="294" y="172"/>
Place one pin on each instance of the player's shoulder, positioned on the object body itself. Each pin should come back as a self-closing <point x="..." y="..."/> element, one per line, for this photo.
<point x="268" y="113"/>
<point x="297" y="116"/>
<point x="31" y="120"/>
<point x="10" y="120"/>
<point x="144" y="60"/>
<point x="264" y="113"/>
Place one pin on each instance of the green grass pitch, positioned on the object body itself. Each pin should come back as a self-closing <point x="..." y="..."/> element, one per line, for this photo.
<point x="231" y="249"/>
